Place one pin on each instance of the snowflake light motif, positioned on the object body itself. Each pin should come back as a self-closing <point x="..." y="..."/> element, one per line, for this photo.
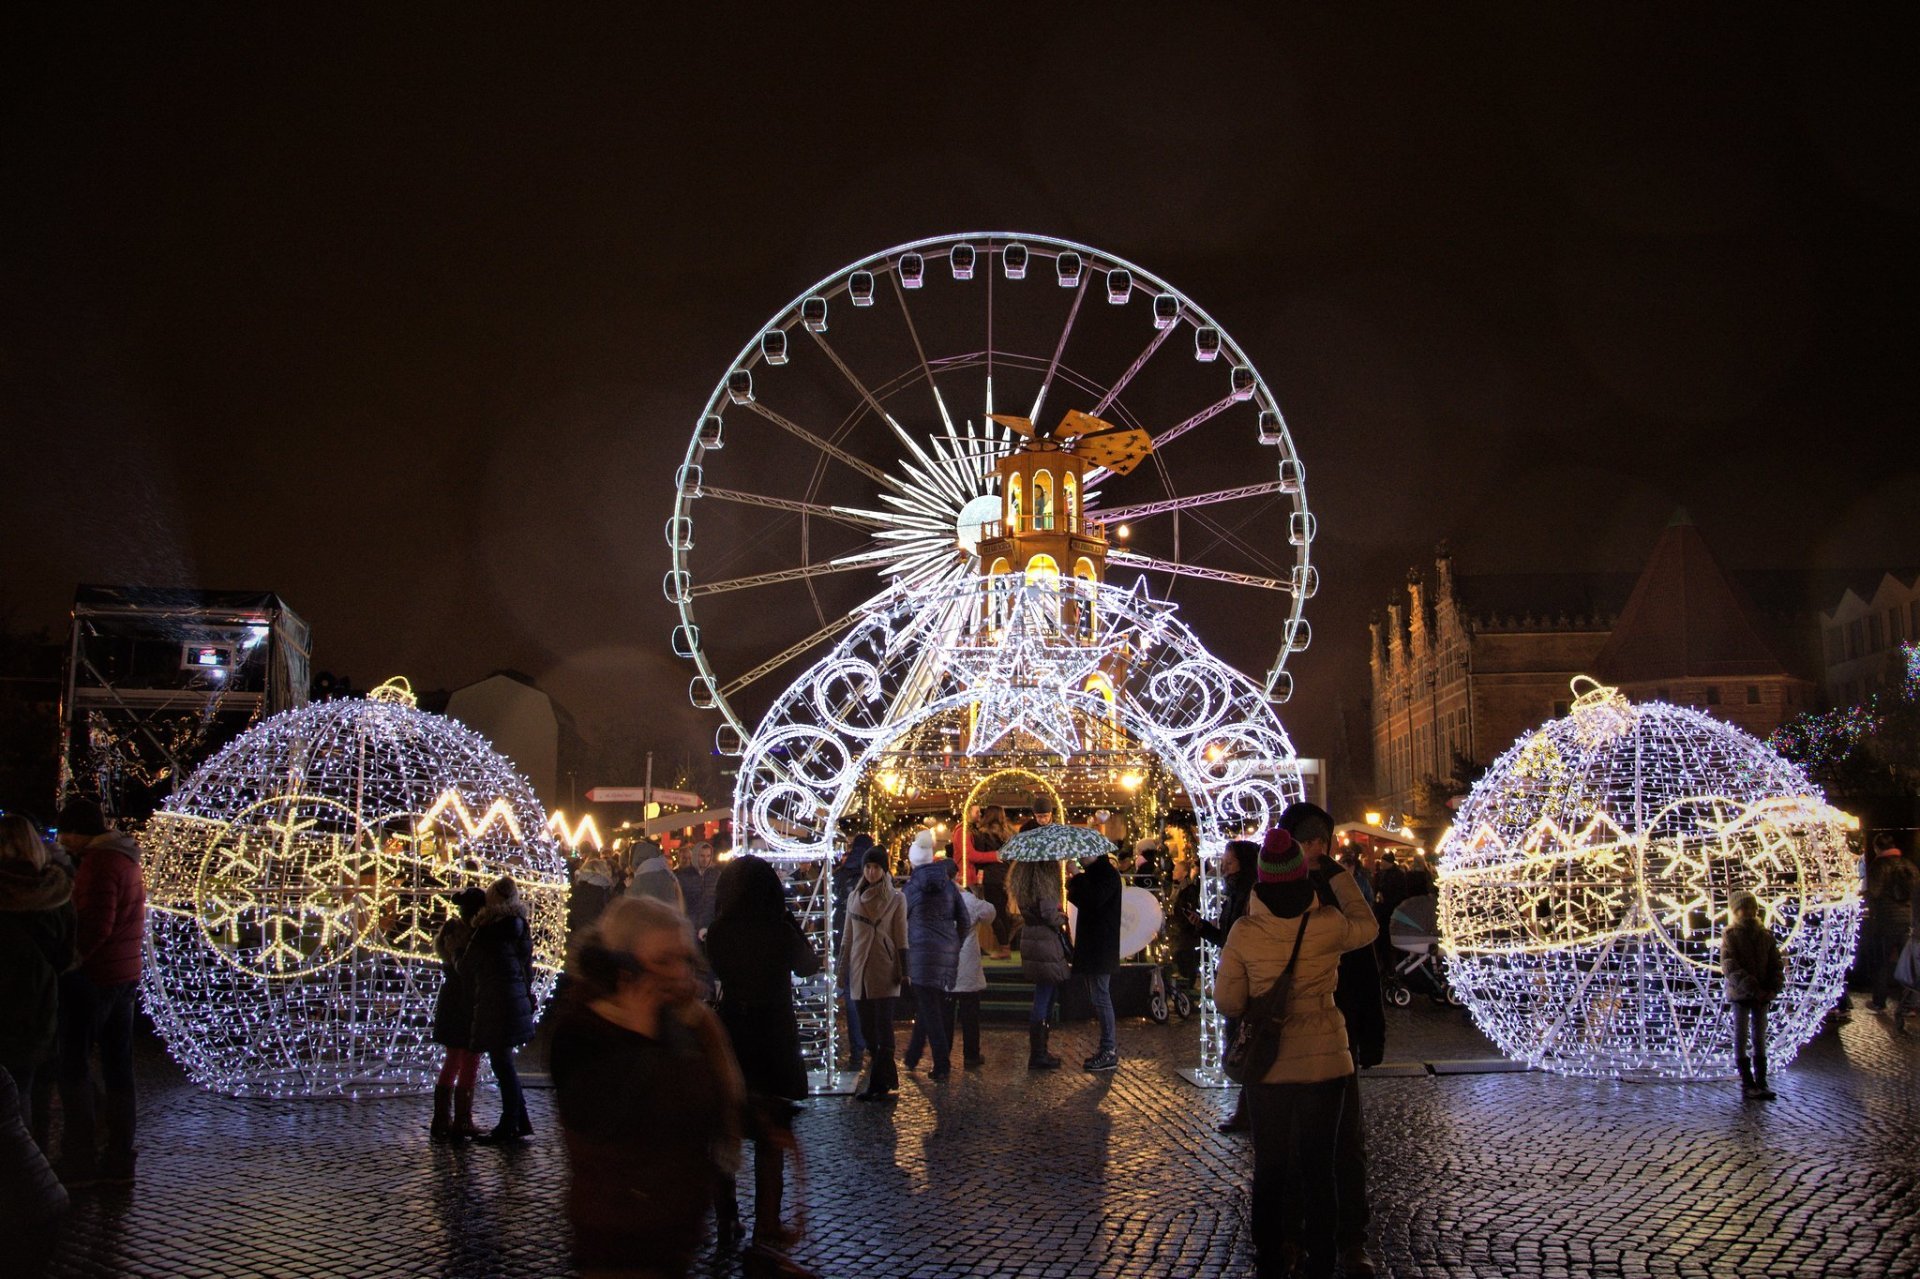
<point x="1585" y="885"/>
<point x="297" y="879"/>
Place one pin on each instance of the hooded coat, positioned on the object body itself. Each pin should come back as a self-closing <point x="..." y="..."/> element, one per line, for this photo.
<point x="36" y="946"/>
<point x="110" y="907"/>
<point x="498" y="963"/>
<point x="1043" y="955"/>
<point x="756" y="948"/>
<point x="654" y="878"/>
<point x="592" y="890"/>
<point x="937" y="921"/>
<point x="1313" y="1036"/>
<point x="875" y="940"/>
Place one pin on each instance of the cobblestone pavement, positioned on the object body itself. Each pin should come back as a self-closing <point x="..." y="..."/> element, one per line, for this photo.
<point x="997" y="1173"/>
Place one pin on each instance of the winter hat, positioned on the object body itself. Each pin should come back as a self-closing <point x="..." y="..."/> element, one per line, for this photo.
<point x="1744" y="901"/>
<point x="857" y="849"/>
<point x="1280" y="860"/>
<point x="1043" y="805"/>
<point x="875" y="856"/>
<point x="921" y="854"/>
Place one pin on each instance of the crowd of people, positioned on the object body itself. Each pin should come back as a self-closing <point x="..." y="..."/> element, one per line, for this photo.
<point x="675" y="1041"/>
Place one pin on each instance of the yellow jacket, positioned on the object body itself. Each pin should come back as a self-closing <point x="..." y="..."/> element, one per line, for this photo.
<point x="1313" y="1037"/>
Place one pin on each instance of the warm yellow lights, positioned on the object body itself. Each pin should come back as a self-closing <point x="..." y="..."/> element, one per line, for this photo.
<point x="573" y="836"/>
<point x="451" y="802"/>
<point x="1131" y="781"/>
<point x="396" y="691"/>
<point x="1373" y="818"/>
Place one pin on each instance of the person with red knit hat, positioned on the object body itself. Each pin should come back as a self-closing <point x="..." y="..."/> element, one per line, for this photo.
<point x="1295" y="1106"/>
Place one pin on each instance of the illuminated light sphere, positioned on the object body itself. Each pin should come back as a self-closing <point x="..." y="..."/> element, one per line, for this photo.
<point x="295" y="883"/>
<point x="1587" y="879"/>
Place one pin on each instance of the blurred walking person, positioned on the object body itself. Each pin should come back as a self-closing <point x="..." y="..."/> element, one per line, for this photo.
<point x="97" y="995"/>
<point x="1295" y="1108"/>
<point x="1037" y="888"/>
<point x="1750" y="961"/>
<point x="875" y="944"/>
<point x="499" y="964"/>
<point x="756" y="949"/>
<point x="453" y="1022"/>
<point x="36" y="946"/>
<point x="647" y="1093"/>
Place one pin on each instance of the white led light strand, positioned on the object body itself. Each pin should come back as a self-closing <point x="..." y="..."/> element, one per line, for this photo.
<point x="295" y="883"/>
<point x="1586" y="883"/>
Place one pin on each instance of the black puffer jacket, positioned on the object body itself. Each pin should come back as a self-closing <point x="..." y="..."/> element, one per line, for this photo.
<point x="36" y="946"/>
<point x="499" y="964"/>
<point x="453" y="1007"/>
<point x="1095" y="894"/>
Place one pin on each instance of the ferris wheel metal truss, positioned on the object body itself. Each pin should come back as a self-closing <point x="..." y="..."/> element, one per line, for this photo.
<point x="912" y="524"/>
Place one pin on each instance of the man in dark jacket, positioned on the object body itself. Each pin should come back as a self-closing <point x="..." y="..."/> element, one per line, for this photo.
<point x="96" y="998"/>
<point x="1358" y="997"/>
<point x="1095" y="894"/>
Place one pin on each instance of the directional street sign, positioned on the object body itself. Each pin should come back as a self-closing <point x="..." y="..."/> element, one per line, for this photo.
<point x="639" y="795"/>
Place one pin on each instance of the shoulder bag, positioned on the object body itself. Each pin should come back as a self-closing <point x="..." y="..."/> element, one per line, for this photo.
<point x="1256" y="1040"/>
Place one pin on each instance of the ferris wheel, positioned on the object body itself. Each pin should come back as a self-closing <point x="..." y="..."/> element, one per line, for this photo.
<point x="847" y="457"/>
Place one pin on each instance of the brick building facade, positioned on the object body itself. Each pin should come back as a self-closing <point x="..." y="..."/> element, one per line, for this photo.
<point x="1467" y="664"/>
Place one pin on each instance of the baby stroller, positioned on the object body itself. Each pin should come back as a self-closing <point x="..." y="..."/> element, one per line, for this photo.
<point x="1415" y="932"/>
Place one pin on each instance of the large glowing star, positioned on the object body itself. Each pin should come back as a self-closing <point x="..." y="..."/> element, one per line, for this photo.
<point x="1587" y="881"/>
<point x="1024" y="680"/>
<point x="298" y="879"/>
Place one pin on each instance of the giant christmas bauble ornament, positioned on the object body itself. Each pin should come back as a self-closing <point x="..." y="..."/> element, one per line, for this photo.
<point x="1586" y="882"/>
<point x="295" y="883"/>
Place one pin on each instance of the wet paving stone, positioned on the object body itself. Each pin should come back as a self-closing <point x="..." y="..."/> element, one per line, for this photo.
<point x="1000" y="1173"/>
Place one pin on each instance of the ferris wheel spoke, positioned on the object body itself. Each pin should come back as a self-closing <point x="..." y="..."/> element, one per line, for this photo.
<point x="842" y="514"/>
<point x="832" y="450"/>
<point x="1113" y="392"/>
<point x="800" y="574"/>
<point x="1098" y="473"/>
<point x="919" y="350"/>
<point x="1060" y="347"/>
<point x="1142" y="510"/>
<point x="1133" y="559"/>
<point x="788" y="653"/>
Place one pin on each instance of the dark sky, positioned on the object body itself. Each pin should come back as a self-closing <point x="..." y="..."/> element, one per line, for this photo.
<point x="409" y="321"/>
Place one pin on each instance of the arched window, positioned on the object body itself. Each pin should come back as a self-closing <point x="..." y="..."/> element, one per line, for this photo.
<point x="1087" y="581"/>
<point x="1099" y="683"/>
<point x="1043" y="499"/>
<point x="1070" y="500"/>
<point x="1043" y="570"/>
<point x="997" y="591"/>
<point x="1013" y="505"/>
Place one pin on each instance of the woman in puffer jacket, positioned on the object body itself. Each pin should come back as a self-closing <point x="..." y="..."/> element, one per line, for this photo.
<point x="499" y="963"/>
<point x="1295" y="1107"/>
<point x="1037" y="887"/>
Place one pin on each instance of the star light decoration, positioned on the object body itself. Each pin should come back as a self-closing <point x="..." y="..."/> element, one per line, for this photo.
<point x="296" y="881"/>
<point x="1025" y="677"/>
<point x="1587" y="880"/>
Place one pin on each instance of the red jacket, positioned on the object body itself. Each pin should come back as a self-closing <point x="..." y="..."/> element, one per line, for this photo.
<point x="111" y="901"/>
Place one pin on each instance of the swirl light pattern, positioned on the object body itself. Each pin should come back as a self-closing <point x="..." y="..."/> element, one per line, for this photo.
<point x="924" y="656"/>
<point x="296" y="881"/>
<point x="1586" y="883"/>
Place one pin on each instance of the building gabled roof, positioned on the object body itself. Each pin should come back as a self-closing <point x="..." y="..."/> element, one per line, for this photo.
<point x="1686" y="618"/>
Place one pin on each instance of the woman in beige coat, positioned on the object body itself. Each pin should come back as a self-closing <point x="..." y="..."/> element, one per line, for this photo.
<point x="1295" y="1107"/>
<point x="874" y="942"/>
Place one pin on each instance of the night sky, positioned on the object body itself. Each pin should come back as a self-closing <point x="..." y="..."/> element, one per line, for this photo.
<point x="410" y="321"/>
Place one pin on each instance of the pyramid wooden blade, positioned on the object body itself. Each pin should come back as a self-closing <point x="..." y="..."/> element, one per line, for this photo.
<point x="1018" y="425"/>
<point x="1076" y="423"/>
<point x="1117" y="451"/>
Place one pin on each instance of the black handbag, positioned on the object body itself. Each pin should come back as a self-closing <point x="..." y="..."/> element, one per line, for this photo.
<point x="1256" y="1041"/>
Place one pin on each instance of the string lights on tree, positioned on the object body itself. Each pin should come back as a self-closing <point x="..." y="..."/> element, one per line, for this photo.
<point x="1587" y="880"/>
<point x="295" y="883"/>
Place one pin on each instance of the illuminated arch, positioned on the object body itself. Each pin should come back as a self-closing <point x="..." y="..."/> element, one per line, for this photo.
<point x="1013" y="505"/>
<point x="1212" y="730"/>
<point x="1043" y="570"/>
<point x="1084" y="577"/>
<point x="995" y="608"/>
<point x="1043" y="500"/>
<point x="1070" y="500"/>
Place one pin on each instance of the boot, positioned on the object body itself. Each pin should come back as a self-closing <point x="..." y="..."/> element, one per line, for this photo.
<point x="442" y="1126"/>
<point x="1038" y="1058"/>
<point x="1238" y="1120"/>
<point x="463" y="1128"/>
<point x="1746" y="1075"/>
<point x="1760" y="1090"/>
